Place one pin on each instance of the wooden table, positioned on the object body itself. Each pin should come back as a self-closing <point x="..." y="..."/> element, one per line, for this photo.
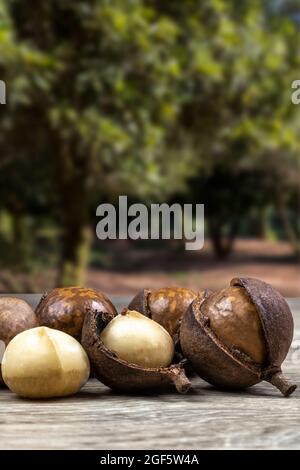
<point x="97" y="418"/>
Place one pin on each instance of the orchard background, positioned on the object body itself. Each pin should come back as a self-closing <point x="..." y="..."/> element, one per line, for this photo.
<point x="186" y="101"/>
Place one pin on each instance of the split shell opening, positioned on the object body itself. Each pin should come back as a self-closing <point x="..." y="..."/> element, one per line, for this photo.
<point x="117" y="373"/>
<point x="241" y="351"/>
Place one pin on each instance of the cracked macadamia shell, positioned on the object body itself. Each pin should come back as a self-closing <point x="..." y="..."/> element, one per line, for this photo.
<point x="239" y="336"/>
<point x="15" y="316"/>
<point x="64" y="308"/>
<point x="44" y="363"/>
<point x="119" y="374"/>
<point x="166" y="306"/>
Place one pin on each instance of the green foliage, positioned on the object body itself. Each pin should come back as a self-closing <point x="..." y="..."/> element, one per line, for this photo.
<point x="141" y="96"/>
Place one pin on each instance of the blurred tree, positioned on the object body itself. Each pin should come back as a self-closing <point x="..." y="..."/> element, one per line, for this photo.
<point x="24" y="176"/>
<point x="290" y="7"/>
<point x="100" y="78"/>
<point x="135" y="97"/>
<point x="239" y="60"/>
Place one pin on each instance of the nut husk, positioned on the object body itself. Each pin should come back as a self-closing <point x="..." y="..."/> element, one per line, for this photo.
<point x="225" y="358"/>
<point x="64" y="308"/>
<point x="16" y="316"/>
<point x="166" y="306"/>
<point x="118" y="374"/>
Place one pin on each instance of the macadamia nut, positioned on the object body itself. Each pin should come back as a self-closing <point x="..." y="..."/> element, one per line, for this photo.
<point x="138" y="340"/>
<point x="43" y="363"/>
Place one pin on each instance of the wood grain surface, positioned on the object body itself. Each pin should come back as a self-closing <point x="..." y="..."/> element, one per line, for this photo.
<point x="97" y="418"/>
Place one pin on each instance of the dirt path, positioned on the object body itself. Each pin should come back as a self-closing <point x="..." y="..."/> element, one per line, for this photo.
<point x="268" y="261"/>
<point x="133" y="269"/>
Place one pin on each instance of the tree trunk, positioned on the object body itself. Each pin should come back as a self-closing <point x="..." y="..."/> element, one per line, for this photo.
<point x="75" y="255"/>
<point x="72" y="175"/>
<point x="262" y="224"/>
<point x="18" y="232"/>
<point x="20" y="239"/>
<point x="223" y="245"/>
<point x="287" y="225"/>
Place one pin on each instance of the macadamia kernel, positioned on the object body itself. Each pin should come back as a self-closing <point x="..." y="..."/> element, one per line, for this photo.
<point x="43" y="363"/>
<point x="138" y="340"/>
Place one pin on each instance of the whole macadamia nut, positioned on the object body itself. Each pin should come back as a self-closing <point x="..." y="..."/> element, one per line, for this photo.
<point x="15" y="316"/>
<point x="166" y="306"/>
<point x="43" y="363"/>
<point x="64" y="308"/>
<point x="239" y="336"/>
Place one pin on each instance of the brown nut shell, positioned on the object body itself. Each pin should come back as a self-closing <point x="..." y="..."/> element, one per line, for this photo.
<point x="118" y="374"/>
<point x="166" y="306"/>
<point x="234" y="319"/>
<point x="227" y="367"/>
<point x="16" y="316"/>
<point x="275" y="316"/>
<point x="64" y="308"/>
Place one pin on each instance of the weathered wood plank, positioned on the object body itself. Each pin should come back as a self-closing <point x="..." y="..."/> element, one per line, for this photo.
<point x="206" y="418"/>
